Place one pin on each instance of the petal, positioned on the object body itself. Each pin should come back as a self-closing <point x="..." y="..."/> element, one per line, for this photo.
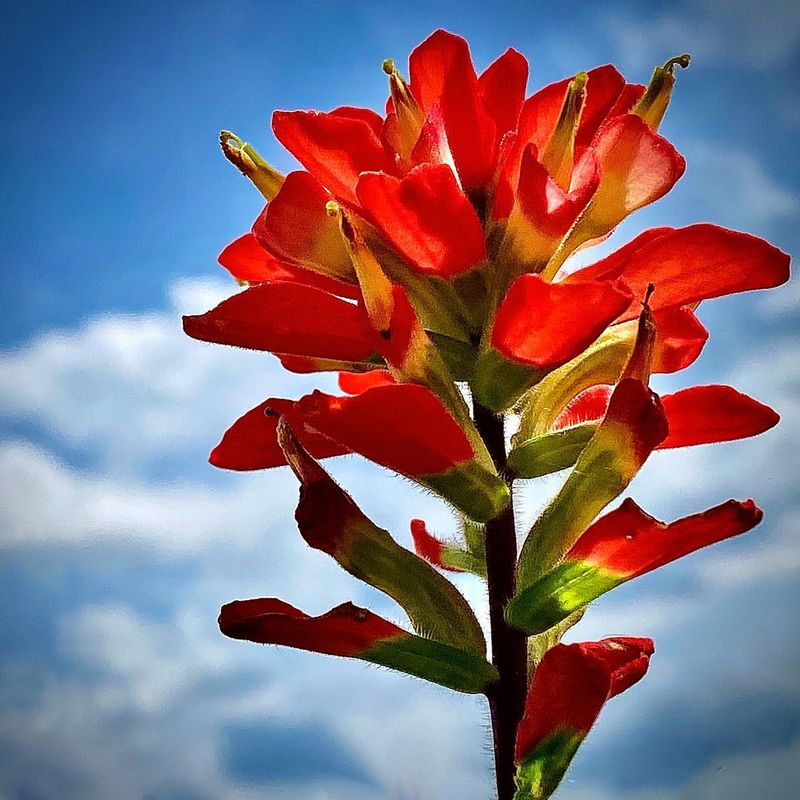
<point x="406" y="428"/>
<point x="450" y="557"/>
<point x="627" y="99"/>
<point x="249" y="262"/>
<point x="627" y="657"/>
<point x="304" y="365"/>
<point x="372" y="118"/>
<point x="620" y="546"/>
<point x="403" y="427"/>
<point x="691" y="264"/>
<point x="357" y="382"/>
<point x="252" y="441"/>
<point x="442" y="75"/>
<point x="296" y="227"/>
<point x="536" y="330"/>
<point x="432" y="146"/>
<point x="537" y="323"/>
<point x="679" y="340"/>
<point x="427" y="218"/>
<point x="502" y="88"/>
<point x="430" y="548"/>
<point x="543" y="212"/>
<point x="589" y="406"/>
<point x="699" y="415"/>
<point x="606" y="95"/>
<point x="568" y="690"/>
<point x="335" y="149"/>
<point x="289" y="318"/>
<point x="637" y="167"/>
<point x="330" y="521"/>
<point x="604" y="91"/>
<point x="348" y="630"/>
<point x="629" y="542"/>
<point x="344" y="631"/>
<point x="541" y="110"/>
<point x="704" y="414"/>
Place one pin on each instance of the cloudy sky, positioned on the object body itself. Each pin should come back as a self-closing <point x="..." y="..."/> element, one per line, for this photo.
<point x="118" y="543"/>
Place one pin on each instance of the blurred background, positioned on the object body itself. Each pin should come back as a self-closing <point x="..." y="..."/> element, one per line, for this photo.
<point x="118" y="542"/>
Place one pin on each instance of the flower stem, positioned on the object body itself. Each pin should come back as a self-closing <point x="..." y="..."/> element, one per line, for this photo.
<point x="509" y="654"/>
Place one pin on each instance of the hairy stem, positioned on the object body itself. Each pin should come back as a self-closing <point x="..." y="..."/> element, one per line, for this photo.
<point x="509" y="652"/>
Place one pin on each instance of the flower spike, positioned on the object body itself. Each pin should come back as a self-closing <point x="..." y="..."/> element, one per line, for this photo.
<point x="424" y="253"/>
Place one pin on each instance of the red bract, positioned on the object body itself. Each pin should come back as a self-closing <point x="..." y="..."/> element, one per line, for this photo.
<point x="424" y="255"/>
<point x="569" y="688"/>
<point x="427" y="217"/>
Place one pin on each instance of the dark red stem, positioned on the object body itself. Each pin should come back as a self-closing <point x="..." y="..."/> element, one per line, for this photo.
<point x="509" y="648"/>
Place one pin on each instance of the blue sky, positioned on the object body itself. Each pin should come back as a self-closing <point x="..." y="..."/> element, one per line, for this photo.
<point x="118" y="542"/>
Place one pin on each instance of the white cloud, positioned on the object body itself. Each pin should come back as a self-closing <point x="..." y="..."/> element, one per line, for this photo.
<point x="47" y="503"/>
<point x="133" y="388"/>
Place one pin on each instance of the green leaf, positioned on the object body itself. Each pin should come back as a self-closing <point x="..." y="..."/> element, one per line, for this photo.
<point x="550" y="452"/>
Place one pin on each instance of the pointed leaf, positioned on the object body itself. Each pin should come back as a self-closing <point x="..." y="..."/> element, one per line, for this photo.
<point x="444" y="555"/>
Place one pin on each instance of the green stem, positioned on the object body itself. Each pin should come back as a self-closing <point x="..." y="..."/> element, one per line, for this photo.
<point x="509" y="651"/>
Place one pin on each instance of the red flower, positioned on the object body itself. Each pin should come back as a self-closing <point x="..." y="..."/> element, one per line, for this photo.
<point x="423" y="254"/>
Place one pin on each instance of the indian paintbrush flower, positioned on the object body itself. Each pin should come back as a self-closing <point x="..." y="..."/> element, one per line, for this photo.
<point x="424" y="255"/>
